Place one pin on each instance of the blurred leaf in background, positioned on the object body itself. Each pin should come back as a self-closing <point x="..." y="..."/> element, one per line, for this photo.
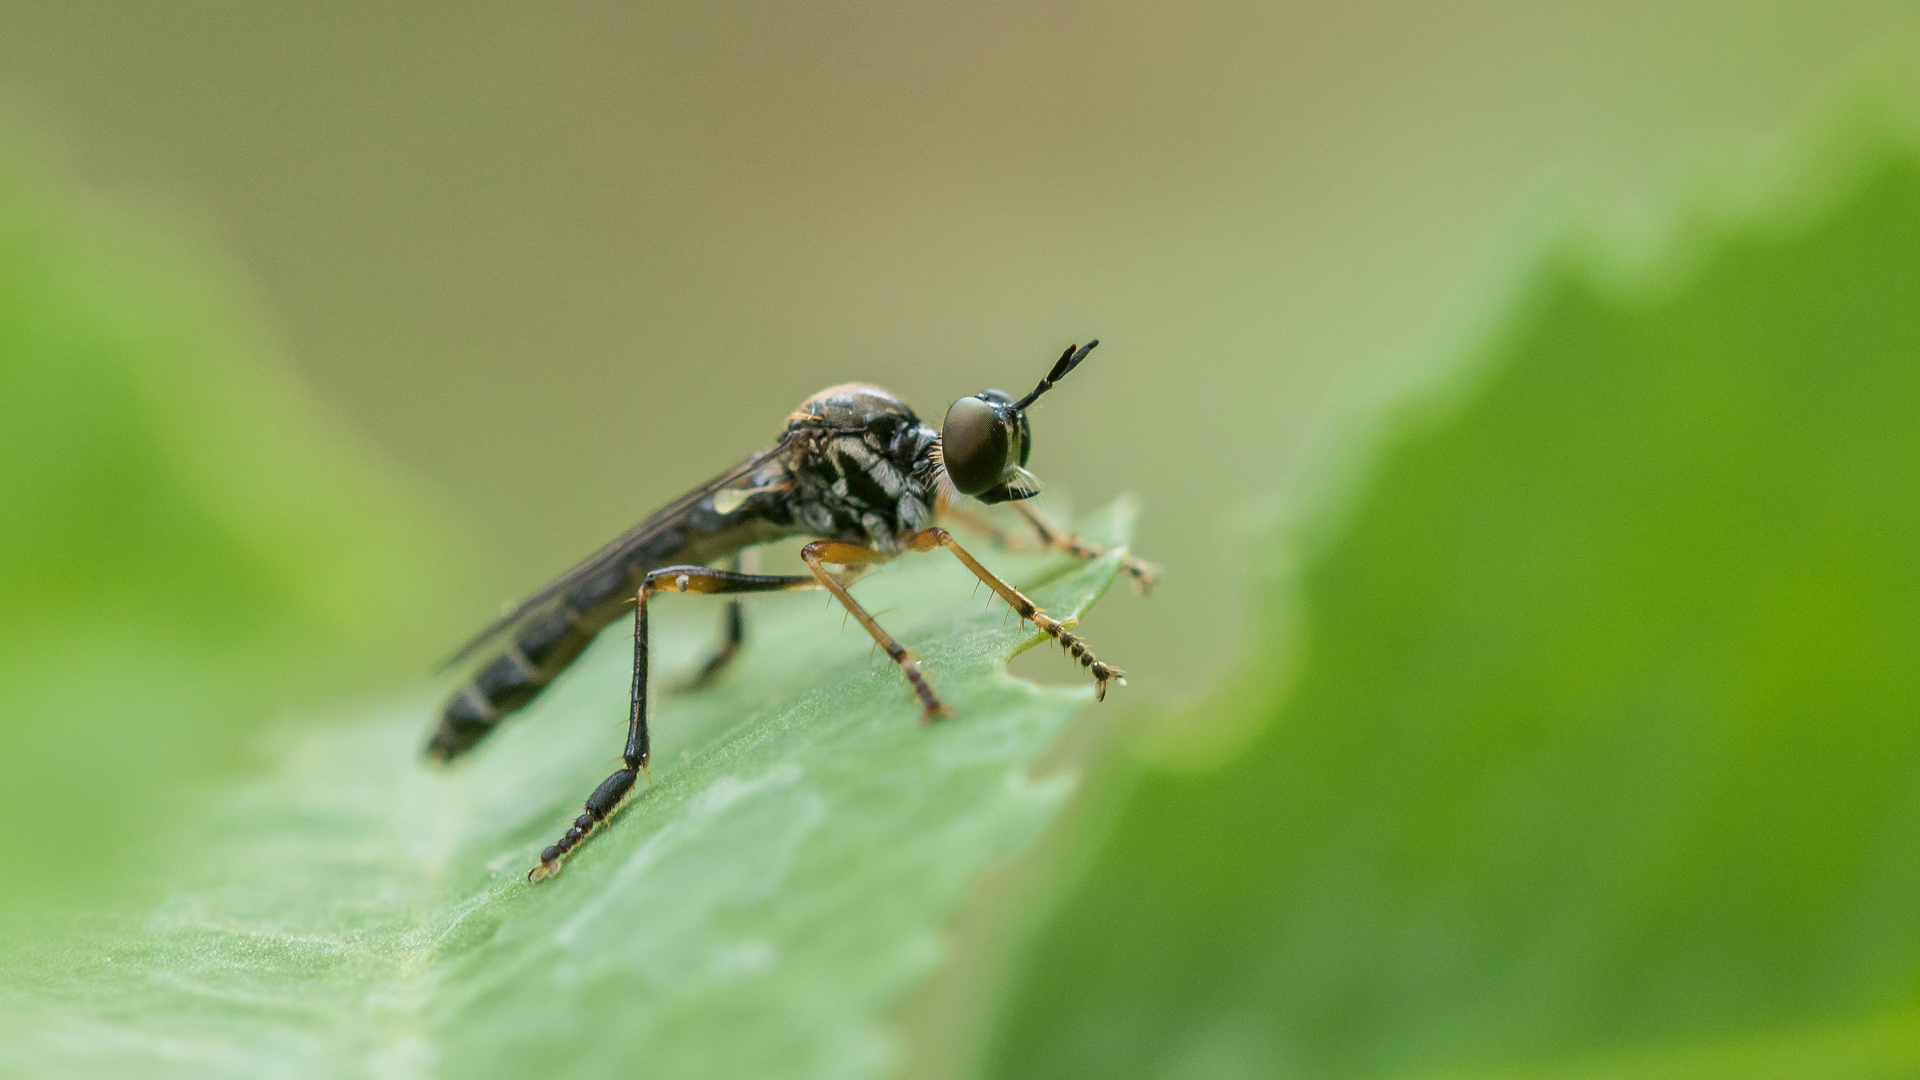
<point x="547" y="219"/>
<point x="186" y="542"/>
<point x="1593" y="748"/>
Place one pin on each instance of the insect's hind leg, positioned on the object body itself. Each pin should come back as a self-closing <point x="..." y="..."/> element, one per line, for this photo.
<point x="607" y="797"/>
<point x="733" y="630"/>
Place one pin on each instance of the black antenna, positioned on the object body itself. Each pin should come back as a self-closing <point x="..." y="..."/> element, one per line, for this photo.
<point x="1067" y="362"/>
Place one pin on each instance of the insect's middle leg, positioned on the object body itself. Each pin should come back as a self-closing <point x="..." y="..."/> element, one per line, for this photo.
<point x="853" y="555"/>
<point x="607" y="797"/>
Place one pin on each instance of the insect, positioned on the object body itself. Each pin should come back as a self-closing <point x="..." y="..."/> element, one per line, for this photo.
<point x="856" y="471"/>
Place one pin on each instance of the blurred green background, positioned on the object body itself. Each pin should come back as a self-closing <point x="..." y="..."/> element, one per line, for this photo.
<point x="557" y="262"/>
<point x="326" y="332"/>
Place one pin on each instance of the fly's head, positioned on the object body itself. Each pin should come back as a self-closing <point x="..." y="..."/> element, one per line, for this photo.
<point x="985" y="440"/>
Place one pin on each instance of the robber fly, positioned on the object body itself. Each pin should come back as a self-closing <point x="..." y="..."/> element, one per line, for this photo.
<point x="855" y="470"/>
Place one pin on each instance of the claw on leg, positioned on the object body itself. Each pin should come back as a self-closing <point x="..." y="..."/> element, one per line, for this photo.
<point x="599" y="807"/>
<point x="1076" y="647"/>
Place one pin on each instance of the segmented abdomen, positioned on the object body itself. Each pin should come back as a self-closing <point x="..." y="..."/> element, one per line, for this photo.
<point x="536" y="654"/>
<point x="541" y="649"/>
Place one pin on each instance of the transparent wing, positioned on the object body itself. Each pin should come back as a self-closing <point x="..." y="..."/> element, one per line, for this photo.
<point x="618" y="549"/>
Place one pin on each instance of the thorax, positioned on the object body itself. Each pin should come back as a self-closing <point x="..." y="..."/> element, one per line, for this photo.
<point x="863" y="469"/>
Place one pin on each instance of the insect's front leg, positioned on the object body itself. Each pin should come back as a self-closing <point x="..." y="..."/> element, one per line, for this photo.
<point x="1141" y="573"/>
<point x="1102" y="672"/>
<point x="607" y="797"/>
<point x="1001" y="536"/>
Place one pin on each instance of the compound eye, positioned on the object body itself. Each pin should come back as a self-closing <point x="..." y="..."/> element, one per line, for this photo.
<point x="977" y="442"/>
<point x="1019" y="438"/>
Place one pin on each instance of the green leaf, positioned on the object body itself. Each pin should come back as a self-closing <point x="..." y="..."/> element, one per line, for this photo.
<point x="757" y="911"/>
<point x="1587" y="735"/>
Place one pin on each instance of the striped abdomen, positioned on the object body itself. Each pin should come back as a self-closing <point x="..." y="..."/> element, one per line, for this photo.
<point x="537" y="653"/>
<point x="540" y="649"/>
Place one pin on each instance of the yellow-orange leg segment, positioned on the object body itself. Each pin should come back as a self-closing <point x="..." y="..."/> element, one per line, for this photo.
<point x="733" y="628"/>
<point x="1143" y="574"/>
<point x="1026" y="609"/>
<point x="853" y="555"/>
